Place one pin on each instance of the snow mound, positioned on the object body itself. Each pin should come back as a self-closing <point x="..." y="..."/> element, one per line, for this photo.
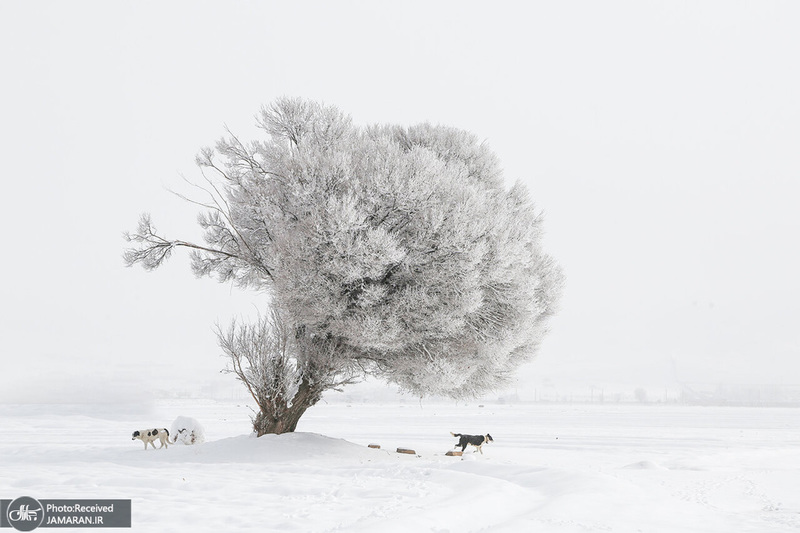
<point x="187" y="430"/>
<point x="289" y="447"/>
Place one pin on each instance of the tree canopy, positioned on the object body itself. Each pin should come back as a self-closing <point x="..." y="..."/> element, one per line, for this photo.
<point x="398" y="249"/>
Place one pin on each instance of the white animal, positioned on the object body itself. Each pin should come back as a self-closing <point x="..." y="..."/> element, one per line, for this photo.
<point x="149" y="436"/>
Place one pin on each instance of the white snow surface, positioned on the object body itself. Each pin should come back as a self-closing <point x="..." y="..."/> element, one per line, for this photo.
<point x="551" y="468"/>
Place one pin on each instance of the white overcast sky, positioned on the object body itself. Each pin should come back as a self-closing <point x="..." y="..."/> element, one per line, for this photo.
<point x="660" y="139"/>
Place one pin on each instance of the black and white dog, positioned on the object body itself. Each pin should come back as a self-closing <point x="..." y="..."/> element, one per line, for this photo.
<point x="472" y="440"/>
<point x="149" y="436"/>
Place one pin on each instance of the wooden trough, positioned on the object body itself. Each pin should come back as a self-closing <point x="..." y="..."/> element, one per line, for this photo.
<point x="406" y="450"/>
<point x="374" y="446"/>
<point x="452" y="453"/>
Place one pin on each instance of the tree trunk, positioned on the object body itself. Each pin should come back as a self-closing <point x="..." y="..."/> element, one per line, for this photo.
<point x="282" y="417"/>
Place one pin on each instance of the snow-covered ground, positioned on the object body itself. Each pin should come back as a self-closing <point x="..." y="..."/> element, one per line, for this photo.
<point x="559" y="468"/>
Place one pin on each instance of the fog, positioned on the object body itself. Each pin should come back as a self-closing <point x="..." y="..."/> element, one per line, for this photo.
<point x="659" y="139"/>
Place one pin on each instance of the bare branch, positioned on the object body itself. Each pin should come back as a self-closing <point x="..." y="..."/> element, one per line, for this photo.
<point x="154" y="249"/>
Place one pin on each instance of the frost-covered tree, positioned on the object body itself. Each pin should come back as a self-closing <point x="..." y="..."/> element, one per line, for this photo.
<point x="388" y="250"/>
<point x="263" y="357"/>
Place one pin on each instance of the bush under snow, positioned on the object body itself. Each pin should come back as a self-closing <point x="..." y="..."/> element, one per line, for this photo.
<point x="187" y="430"/>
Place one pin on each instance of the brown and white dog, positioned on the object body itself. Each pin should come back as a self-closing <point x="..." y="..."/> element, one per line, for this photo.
<point x="472" y="440"/>
<point x="149" y="436"/>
